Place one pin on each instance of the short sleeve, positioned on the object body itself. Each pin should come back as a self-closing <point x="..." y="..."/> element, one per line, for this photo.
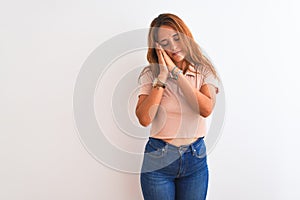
<point x="209" y="78"/>
<point x="145" y="81"/>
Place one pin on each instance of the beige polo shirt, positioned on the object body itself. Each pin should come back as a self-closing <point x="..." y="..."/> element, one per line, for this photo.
<point x="175" y="118"/>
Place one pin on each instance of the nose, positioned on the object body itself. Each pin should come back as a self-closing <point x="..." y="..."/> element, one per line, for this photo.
<point x="173" y="46"/>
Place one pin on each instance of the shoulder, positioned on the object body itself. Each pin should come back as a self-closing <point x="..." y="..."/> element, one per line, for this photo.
<point x="146" y="69"/>
<point x="146" y="73"/>
<point x="202" y="69"/>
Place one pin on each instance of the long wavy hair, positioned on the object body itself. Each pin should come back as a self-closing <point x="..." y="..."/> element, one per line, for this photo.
<point x="194" y="56"/>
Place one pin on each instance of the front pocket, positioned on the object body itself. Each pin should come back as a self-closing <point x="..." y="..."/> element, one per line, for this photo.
<point x="151" y="150"/>
<point x="200" y="150"/>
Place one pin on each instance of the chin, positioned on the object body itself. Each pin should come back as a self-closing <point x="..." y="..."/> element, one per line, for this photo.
<point x="178" y="59"/>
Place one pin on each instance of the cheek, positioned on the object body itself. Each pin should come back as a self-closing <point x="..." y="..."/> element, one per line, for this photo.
<point x="167" y="49"/>
<point x="182" y="47"/>
<point x="169" y="53"/>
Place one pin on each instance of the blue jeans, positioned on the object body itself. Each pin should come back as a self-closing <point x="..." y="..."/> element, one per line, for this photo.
<point x="174" y="173"/>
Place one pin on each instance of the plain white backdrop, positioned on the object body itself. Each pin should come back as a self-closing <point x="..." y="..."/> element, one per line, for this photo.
<point x="43" y="44"/>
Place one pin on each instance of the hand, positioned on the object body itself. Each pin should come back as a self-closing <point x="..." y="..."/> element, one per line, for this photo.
<point x="164" y="71"/>
<point x="170" y="64"/>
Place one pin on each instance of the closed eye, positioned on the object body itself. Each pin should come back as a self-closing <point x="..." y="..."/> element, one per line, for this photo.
<point x="176" y="37"/>
<point x="165" y="42"/>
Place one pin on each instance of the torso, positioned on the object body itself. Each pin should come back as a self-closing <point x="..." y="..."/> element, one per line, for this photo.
<point x="171" y="108"/>
<point x="175" y="122"/>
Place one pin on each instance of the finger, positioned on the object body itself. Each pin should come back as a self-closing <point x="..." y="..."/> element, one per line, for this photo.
<point x="169" y="62"/>
<point x="158" y="46"/>
<point x="164" y="52"/>
<point x="161" y="59"/>
<point x="166" y="56"/>
<point x="159" y="52"/>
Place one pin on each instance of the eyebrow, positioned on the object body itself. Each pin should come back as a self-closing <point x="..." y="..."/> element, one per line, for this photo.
<point x="174" y="35"/>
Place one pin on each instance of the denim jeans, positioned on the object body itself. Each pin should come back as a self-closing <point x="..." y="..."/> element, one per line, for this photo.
<point x="174" y="173"/>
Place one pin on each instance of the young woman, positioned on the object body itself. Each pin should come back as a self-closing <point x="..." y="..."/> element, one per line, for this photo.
<point x="177" y="92"/>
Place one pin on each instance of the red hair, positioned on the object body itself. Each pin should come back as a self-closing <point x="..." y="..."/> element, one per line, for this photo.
<point x="194" y="56"/>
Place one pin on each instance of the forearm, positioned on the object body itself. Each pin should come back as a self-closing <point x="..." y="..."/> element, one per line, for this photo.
<point x="199" y="102"/>
<point x="148" y="108"/>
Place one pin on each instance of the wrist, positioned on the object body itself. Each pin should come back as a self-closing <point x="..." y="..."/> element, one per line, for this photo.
<point x="163" y="77"/>
<point x="175" y="72"/>
<point x="158" y="83"/>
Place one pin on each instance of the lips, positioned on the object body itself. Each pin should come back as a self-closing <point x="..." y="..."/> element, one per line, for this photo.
<point x="176" y="53"/>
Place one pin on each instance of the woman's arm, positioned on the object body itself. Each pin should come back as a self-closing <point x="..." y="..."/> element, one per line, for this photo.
<point x="147" y="106"/>
<point x="202" y="101"/>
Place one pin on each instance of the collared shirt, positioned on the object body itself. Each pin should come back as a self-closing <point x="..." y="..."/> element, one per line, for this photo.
<point x="175" y="117"/>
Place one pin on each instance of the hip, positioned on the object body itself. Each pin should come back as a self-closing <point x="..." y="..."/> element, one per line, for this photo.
<point x="168" y="158"/>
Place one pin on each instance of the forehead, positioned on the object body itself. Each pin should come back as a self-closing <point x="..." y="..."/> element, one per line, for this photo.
<point x="165" y="32"/>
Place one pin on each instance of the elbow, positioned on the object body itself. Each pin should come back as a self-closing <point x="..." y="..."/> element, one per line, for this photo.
<point x="142" y="119"/>
<point x="206" y="112"/>
<point x="144" y="123"/>
<point x="207" y="109"/>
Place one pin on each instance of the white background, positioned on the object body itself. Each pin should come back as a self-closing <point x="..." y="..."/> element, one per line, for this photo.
<point x="43" y="44"/>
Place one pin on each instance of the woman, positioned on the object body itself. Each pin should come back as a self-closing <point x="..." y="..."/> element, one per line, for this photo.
<point x="177" y="92"/>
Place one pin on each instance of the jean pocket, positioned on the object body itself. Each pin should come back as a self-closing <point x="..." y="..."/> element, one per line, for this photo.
<point x="200" y="150"/>
<point x="153" y="151"/>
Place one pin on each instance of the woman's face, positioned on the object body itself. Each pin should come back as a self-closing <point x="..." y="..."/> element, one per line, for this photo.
<point x="171" y="42"/>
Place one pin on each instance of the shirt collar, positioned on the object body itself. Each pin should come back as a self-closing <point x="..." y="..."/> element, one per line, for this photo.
<point x="190" y="72"/>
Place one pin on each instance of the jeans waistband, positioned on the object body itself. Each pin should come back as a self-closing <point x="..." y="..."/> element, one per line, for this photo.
<point x="159" y="143"/>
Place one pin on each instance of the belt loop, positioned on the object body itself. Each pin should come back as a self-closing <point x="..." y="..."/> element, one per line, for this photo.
<point x="166" y="146"/>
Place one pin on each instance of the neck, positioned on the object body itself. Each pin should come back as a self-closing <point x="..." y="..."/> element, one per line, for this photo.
<point x="179" y="64"/>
